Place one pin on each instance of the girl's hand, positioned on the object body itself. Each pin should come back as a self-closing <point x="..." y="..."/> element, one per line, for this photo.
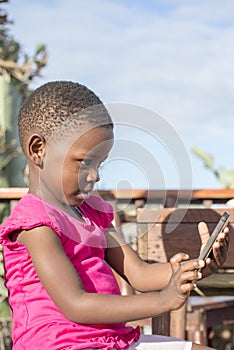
<point x="184" y="271"/>
<point x="219" y="251"/>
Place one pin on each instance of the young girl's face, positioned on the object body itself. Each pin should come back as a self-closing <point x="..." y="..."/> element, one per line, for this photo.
<point x="71" y="169"/>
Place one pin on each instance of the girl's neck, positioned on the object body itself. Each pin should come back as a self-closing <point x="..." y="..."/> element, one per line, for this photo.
<point x="50" y="198"/>
<point x="78" y="213"/>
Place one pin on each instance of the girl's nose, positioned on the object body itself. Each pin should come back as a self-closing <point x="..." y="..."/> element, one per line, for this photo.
<point x="93" y="176"/>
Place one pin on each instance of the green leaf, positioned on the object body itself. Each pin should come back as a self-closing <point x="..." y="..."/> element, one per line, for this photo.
<point x="5" y="310"/>
<point x="226" y="178"/>
<point x="41" y="48"/>
<point x="207" y="159"/>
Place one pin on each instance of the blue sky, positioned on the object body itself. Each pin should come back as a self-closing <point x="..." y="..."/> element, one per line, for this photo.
<point x="172" y="58"/>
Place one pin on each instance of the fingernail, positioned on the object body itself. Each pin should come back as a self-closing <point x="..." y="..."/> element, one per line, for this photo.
<point x="201" y="263"/>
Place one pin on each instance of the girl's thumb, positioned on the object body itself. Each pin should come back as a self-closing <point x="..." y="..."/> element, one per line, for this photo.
<point x="176" y="260"/>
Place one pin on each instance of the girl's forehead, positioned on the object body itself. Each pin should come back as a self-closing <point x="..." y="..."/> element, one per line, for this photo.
<point x="93" y="139"/>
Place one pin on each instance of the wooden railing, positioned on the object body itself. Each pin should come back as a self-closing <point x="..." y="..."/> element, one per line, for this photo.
<point x="198" y="196"/>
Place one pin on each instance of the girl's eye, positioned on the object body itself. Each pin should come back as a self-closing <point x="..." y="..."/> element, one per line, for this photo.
<point x="85" y="162"/>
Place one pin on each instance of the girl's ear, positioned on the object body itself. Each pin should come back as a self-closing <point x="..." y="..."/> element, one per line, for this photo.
<point x="36" y="149"/>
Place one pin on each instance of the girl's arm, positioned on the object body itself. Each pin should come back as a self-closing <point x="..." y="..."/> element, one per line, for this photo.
<point x="148" y="277"/>
<point x="126" y="262"/>
<point x="64" y="286"/>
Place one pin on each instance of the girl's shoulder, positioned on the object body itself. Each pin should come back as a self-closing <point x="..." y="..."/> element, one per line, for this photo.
<point x="30" y="212"/>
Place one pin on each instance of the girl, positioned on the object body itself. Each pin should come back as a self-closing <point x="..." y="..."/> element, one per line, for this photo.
<point x="60" y="247"/>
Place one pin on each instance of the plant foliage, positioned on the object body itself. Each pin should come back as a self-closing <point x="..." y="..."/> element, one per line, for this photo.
<point x="225" y="177"/>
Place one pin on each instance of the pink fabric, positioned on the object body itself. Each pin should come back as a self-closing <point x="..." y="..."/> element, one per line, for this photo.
<point x="38" y="323"/>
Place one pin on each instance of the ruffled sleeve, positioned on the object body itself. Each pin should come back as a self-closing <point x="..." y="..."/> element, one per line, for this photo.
<point x="29" y="212"/>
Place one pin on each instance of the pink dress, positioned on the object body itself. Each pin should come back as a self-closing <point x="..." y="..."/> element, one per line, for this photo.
<point x="38" y="323"/>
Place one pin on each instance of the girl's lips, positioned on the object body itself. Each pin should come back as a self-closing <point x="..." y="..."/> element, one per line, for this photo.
<point x="85" y="194"/>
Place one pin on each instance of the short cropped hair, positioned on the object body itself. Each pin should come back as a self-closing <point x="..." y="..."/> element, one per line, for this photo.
<point x="57" y="107"/>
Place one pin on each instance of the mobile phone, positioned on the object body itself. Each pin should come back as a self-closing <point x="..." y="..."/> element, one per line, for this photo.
<point x="223" y="222"/>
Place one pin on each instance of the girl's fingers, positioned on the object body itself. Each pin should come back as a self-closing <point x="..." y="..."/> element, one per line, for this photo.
<point x="188" y="287"/>
<point x="186" y="280"/>
<point x="220" y="247"/>
<point x="177" y="259"/>
<point x="192" y="265"/>
<point x="223" y="238"/>
<point x="185" y="272"/>
<point x="189" y="276"/>
<point x="204" y="233"/>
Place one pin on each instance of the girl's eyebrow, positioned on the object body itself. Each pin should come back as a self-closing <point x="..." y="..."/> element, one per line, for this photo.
<point x="89" y="156"/>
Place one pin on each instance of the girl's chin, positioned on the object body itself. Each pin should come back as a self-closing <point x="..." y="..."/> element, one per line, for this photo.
<point x="79" y="198"/>
<point x="86" y="195"/>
